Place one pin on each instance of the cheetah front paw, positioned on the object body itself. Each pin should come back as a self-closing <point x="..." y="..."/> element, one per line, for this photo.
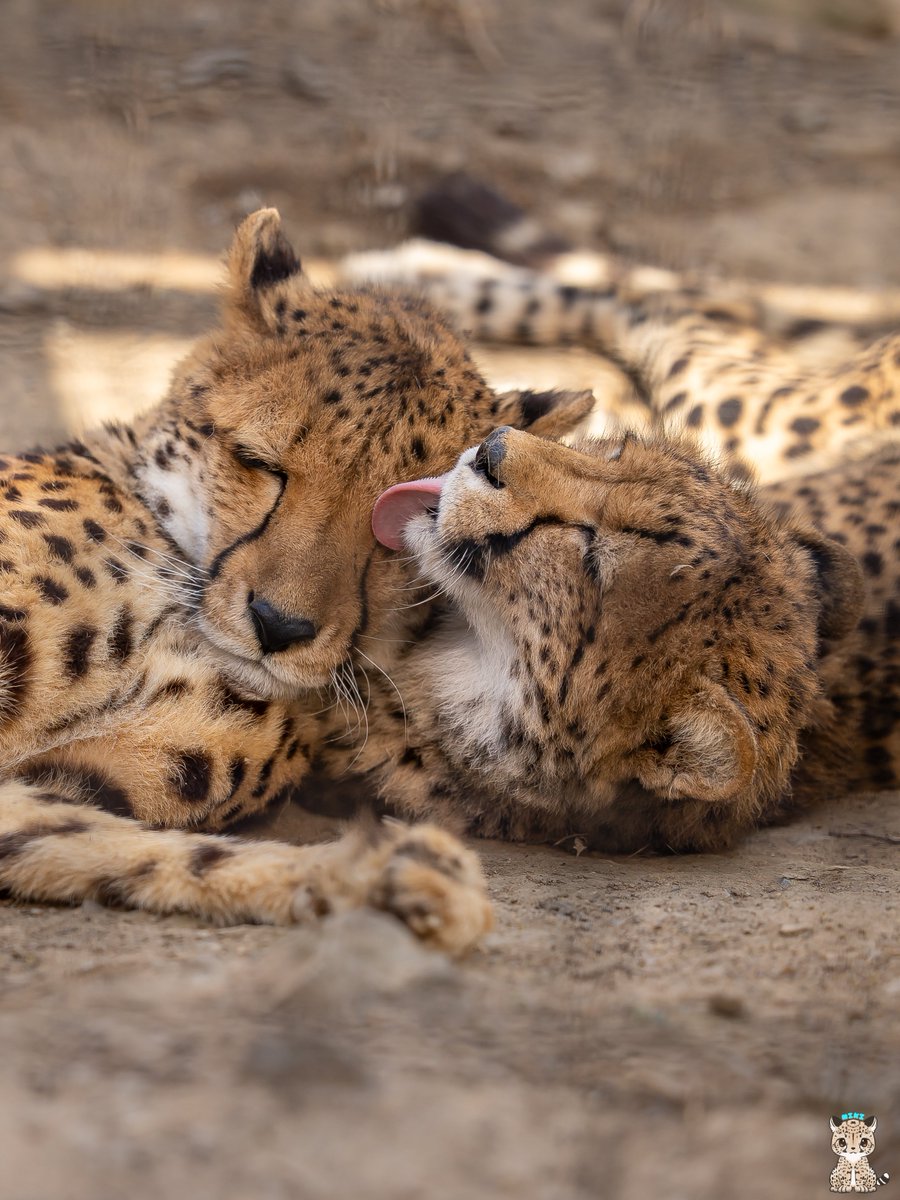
<point x="435" y="886"/>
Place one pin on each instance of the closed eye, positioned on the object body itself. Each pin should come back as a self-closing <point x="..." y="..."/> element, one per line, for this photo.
<point x="247" y="458"/>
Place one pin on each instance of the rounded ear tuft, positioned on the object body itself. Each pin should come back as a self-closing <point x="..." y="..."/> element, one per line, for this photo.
<point x="260" y="257"/>
<point x="839" y="583"/>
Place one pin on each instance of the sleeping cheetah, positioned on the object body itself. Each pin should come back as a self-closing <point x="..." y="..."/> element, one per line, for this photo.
<point x="176" y="591"/>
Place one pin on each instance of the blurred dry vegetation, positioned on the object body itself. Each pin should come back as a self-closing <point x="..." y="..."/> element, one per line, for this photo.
<point x="634" y="1028"/>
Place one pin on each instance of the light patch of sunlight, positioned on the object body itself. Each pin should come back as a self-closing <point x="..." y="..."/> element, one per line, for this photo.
<point x="109" y="375"/>
<point x="832" y="303"/>
<point x="110" y="270"/>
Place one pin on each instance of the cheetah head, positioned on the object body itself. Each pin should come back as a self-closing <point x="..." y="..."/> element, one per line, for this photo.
<point x="644" y="622"/>
<point x="279" y="431"/>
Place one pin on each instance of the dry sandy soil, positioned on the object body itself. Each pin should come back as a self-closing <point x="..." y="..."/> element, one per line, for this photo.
<point x="642" y="1027"/>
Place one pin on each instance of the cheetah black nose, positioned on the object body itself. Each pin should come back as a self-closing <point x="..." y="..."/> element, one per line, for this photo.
<point x="490" y="455"/>
<point x="275" y="630"/>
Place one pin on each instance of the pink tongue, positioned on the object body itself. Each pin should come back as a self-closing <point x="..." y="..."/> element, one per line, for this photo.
<point x="399" y="504"/>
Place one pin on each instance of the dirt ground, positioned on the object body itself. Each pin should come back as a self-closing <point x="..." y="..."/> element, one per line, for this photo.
<point x="641" y="1027"/>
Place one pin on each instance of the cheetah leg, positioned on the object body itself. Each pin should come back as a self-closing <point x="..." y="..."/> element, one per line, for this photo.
<point x="51" y="850"/>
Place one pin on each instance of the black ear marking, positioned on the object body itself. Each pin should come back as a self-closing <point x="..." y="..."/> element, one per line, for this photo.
<point x="274" y="262"/>
<point x="550" y="413"/>
<point x="535" y="405"/>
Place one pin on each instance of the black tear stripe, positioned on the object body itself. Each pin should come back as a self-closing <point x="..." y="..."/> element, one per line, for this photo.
<point x="475" y="555"/>
<point x="219" y="561"/>
<point x="363" y="597"/>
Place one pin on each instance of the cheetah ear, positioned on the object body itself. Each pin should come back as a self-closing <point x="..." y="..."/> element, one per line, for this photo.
<point x="838" y="580"/>
<point x="871" y="1124"/>
<point x="548" y="414"/>
<point x="834" y="1123"/>
<point x="708" y="751"/>
<point x="260" y="256"/>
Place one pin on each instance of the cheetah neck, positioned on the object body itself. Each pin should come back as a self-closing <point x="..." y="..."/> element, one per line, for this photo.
<point x="466" y="679"/>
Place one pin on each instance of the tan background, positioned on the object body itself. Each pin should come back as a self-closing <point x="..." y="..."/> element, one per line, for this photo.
<point x="634" y="1028"/>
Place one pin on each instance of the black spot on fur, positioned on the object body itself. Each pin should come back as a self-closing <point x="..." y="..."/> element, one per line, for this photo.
<point x="853" y="396"/>
<point x="805" y="425"/>
<point x="95" y="532"/>
<point x="14" y="843"/>
<point x="57" y="505"/>
<point x="191" y="776"/>
<point x="207" y="856"/>
<point x="60" y="547"/>
<point x="730" y="411"/>
<point x="77" y="650"/>
<point x="86" y="577"/>
<point x="118" y="892"/>
<point x="31" y="520"/>
<point x="873" y="563"/>
<point x="116" y="569"/>
<point x="121" y="636"/>
<point x="694" y="417"/>
<point x="51" y="590"/>
<point x="99" y="790"/>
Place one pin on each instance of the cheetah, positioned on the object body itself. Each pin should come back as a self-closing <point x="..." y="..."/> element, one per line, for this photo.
<point x="642" y="648"/>
<point x="177" y="593"/>
<point x="636" y="649"/>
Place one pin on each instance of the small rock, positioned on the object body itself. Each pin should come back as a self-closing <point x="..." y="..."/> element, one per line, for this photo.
<point x="306" y="79"/>
<point x="215" y="66"/>
<point x="724" y="1004"/>
<point x="794" y="930"/>
<point x="90" y="908"/>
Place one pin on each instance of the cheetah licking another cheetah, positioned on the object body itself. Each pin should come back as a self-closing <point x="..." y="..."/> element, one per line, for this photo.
<point x="641" y="648"/>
